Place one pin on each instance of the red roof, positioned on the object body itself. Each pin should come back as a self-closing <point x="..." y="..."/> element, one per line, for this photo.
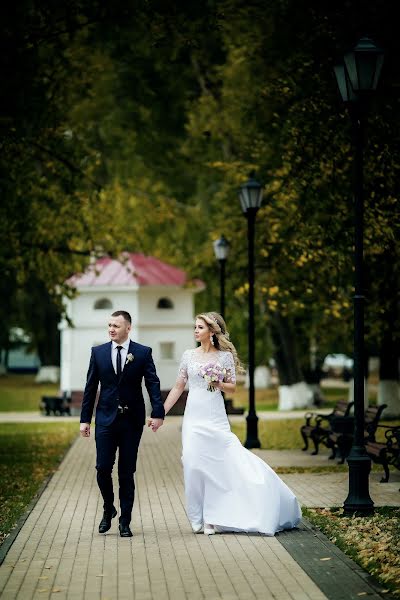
<point x="136" y="269"/>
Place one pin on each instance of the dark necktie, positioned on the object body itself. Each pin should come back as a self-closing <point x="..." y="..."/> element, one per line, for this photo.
<point x="119" y="361"/>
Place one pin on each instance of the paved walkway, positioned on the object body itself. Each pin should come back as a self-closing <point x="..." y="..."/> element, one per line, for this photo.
<point x="59" y="551"/>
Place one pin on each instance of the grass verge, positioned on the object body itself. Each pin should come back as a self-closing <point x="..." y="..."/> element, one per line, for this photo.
<point x="284" y="434"/>
<point x="373" y="542"/>
<point x="268" y="399"/>
<point x="274" y="435"/>
<point x="29" y="453"/>
<point x="21" y="393"/>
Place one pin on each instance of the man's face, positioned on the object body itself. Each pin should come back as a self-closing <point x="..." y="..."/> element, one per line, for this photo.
<point x="118" y="329"/>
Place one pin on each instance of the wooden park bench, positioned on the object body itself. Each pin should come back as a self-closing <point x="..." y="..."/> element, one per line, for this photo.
<point x="386" y="453"/>
<point x="55" y="405"/>
<point x="340" y="439"/>
<point x="317" y="427"/>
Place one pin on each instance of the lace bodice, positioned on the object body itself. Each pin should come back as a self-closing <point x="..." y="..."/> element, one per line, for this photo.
<point x="192" y="361"/>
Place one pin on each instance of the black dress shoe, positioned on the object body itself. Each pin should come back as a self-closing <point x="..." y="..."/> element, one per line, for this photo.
<point x="125" y="530"/>
<point x="105" y="523"/>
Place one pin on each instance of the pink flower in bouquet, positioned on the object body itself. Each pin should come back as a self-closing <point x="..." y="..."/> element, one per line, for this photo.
<point x="212" y="373"/>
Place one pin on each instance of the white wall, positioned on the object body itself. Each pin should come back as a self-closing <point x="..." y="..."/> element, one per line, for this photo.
<point x="182" y="312"/>
<point x="161" y="325"/>
<point x="151" y="326"/>
<point x="82" y="313"/>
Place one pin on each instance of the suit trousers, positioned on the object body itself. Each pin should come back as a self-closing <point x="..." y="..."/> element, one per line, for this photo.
<point x="124" y="435"/>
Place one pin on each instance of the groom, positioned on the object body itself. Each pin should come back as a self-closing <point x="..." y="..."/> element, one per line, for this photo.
<point x="119" y="366"/>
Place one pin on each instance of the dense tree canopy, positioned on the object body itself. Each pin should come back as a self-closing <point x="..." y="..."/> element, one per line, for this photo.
<point x="132" y="127"/>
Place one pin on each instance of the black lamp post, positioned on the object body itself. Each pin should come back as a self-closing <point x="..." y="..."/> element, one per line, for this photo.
<point x="250" y="195"/>
<point x="357" y="78"/>
<point x="221" y="250"/>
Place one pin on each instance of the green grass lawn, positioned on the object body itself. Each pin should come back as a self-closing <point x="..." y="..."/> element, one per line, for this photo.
<point x="29" y="453"/>
<point x="21" y="393"/>
<point x="268" y="399"/>
<point x="274" y="435"/>
<point x="284" y="434"/>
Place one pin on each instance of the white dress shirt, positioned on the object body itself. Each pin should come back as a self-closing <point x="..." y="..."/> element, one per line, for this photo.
<point x="124" y="353"/>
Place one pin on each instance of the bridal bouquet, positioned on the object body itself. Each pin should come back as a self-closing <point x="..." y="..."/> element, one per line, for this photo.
<point x="212" y="373"/>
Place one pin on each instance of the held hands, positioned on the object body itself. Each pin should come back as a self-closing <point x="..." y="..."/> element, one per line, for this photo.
<point x="85" y="429"/>
<point x="154" y="423"/>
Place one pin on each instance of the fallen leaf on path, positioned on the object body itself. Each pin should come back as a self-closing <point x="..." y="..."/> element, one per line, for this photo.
<point x="329" y="558"/>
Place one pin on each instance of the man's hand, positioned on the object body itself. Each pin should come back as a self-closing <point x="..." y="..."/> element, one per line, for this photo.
<point x="85" y="429"/>
<point x="155" y="423"/>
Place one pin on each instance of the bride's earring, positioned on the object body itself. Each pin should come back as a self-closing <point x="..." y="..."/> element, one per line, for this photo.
<point x="211" y="340"/>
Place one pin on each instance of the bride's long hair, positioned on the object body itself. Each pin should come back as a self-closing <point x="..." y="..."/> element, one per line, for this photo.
<point x="220" y="336"/>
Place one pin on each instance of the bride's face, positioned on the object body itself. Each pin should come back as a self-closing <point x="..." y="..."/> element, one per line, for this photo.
<point x="201" y="331"/>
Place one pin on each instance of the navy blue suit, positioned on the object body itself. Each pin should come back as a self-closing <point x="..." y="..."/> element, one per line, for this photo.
<point x="119" y="431"/>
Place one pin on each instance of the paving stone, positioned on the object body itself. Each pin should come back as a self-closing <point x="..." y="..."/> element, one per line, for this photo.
<point x="59" y="548"/>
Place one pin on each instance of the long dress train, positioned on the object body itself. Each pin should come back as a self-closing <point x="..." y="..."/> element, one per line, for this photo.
<point x="226" y="485"/>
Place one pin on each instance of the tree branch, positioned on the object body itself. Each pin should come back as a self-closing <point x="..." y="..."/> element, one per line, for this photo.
<point x="67" y="163"/>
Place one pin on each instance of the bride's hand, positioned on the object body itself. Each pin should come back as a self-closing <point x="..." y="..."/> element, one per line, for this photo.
<point x="154" y="423"/>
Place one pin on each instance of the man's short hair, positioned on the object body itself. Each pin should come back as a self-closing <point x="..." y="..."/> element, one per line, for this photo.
<point x="124" y="314"/>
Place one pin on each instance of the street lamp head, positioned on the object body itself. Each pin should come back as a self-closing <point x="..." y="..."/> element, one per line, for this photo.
<point x="250" y="195"/>
<point x="221" y="248"/>
<point x="364" y="65"/>
<point x="343" y="81"/>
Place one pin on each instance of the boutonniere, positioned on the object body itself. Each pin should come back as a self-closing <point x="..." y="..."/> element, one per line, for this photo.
<point x="129" y="358"/>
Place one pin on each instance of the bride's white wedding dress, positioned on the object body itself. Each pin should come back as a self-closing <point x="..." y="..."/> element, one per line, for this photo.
<point x="226" y="485"/>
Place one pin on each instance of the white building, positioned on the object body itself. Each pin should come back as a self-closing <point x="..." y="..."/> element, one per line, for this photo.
<point x="159" y="298"/>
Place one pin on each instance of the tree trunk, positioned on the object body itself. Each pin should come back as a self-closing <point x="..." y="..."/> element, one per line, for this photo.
<point x="293" y="390"/>
<point x="388" y="388"/>
<point x="49" y="349"/>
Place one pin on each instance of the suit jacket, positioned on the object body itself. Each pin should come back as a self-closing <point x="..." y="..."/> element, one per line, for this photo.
<point x="123" y="391"/>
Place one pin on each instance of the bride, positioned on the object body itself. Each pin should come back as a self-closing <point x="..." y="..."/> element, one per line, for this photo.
<point x="227" y="487"/>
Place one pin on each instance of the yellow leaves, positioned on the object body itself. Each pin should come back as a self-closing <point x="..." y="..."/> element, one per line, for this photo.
<point x="272" y="305"/>
<point x="217" y="164"/>
<point x="373" y="541"/>
<point x="302" y="260"/>
<point x="273" y="290"/>
<point x="242" y="290"/>
<point x="275" y="185"/>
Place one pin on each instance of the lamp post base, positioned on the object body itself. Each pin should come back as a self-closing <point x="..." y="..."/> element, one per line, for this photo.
<point x="252" y="440"/>
<point x="358" y="500"/>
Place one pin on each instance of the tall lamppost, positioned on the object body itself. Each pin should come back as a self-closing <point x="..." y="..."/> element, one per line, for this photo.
<point x="250" y="196"/>
<point x="221" y="250"/>
<point x="357" y="78"/>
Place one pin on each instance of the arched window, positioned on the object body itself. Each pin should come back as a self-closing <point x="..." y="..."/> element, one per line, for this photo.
<point x="103" y="303"/>
<point x="165" y="303"/>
